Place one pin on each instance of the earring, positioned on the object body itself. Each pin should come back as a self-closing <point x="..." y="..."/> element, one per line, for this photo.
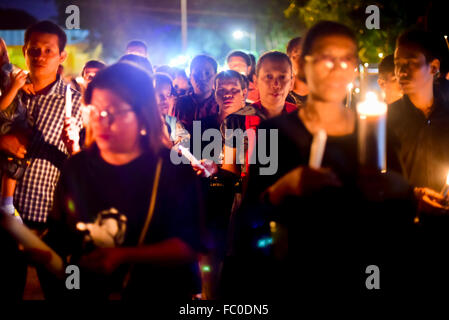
<point x="143" y="132"/>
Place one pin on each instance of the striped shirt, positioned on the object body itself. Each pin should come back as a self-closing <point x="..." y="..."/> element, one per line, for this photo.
<point x="33" y="197"/>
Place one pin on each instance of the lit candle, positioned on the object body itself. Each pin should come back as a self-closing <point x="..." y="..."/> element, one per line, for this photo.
<point x="68" y="102"/>
<point x="349" y="95"/>
<point x="372" y="116"/>
<point x="186" y="153"/>
<point x="447" y="43"/>
<point x="317" y="149"/>
<point x="445" y="189"/>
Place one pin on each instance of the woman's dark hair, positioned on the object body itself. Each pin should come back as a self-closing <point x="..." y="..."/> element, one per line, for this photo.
<point x="253" y="67"/>
<point x="134" y="86"/>
<point x="231" y="74"/>
<point x="292" y="44"/>
<point x="139" y="61"/>
<point x="273" y="56"/>
<point x="201" y="59"/>
<point x="47" y="27"/>
<point x="93" y="64"/>
<point x="324" y="29"/>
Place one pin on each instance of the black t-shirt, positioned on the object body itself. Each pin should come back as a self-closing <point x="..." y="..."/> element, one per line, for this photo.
<point x="333" y="234"/>
<point x="89" y="185"/>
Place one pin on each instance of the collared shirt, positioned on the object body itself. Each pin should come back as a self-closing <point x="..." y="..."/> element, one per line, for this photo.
<point x="421" y="144"/>
<point x="188" y="109"/>
<point x="33" y="196"/>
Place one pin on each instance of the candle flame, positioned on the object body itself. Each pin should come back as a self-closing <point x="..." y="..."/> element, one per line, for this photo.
<point x="371" y="106"/>
<point x="350" y="86"/>
<point x="447" y="178"/>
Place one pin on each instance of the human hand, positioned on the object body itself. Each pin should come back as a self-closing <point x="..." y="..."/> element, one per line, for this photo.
<point x="205" y="168"/>
<point x="11" y="144"/>
<point x="103" y="260"/>
<point x="71" y="135"/>
<point x="28" y="88"/>
<point x="18" y="80"/>
<point x="431" y="202"/>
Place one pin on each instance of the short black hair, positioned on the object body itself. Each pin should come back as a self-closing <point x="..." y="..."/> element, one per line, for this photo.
<point x="273" y="55"/>
<point x="292" y="44"/>
<point x="93" y="64"/>
<point x="160" y="78"/>
<point x="47" y="27"/>
<point x="429" y="44"/>
<point x="231" y="74"/>
<point x="139" y="61"/>
<point x="324" y="29"/>
<point x="137" y="43"/>
<point x="386" y="66"/>
<point x="202" y="58"/>
<point x="240" y="54"/>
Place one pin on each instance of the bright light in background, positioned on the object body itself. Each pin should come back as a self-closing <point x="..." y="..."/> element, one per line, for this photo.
<point x="366" y="65"/>
<point x="178" y="61"/>
<point x="238" y="34"/>
<point x="381" y="55"/>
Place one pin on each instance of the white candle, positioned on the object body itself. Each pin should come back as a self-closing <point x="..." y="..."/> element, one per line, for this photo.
<point x="317" y="149"/>
<point x="349" y="95"/>
<point x="68" y="102"/>
<point x="445" y="190"/>
<point x="186" y="153"/>
<point x="372" y="116"/>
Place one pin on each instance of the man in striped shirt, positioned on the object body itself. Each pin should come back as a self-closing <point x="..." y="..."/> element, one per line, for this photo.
<point x="44" y="52"/>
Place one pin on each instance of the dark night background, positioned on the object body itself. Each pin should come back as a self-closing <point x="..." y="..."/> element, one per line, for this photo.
<point x="212" y="22"/>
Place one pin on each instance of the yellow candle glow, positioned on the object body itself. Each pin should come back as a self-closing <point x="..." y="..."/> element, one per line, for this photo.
<point x="372" y="115"/>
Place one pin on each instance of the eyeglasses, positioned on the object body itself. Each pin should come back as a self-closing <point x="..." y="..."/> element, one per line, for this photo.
<point x="98" y="115"/>
<point x="329" y="62"/>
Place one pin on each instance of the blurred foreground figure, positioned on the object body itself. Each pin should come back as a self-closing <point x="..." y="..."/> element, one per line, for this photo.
<point x="339" y="218"/>
<point x="103" y="200"/>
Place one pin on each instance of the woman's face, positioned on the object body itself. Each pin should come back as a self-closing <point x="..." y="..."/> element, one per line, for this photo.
<point x="114" y="124"/>
<point x="164" y="98"/>
<point x="330" y="67"/>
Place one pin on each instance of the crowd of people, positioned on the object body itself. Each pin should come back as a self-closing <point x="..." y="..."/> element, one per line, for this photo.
<point x="91" y="168"/>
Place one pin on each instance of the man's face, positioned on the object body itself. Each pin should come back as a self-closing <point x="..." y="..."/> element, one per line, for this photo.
<point x="412" y="70"/>
<point x="238" y="64"/>
<point x="138" y="51"/>
<point x="274" y="81"/>
<point x="294" y="57"/>
<point x="229" y="95"/>
<point x="390" y="86"/>
<point x="89" y="74"/>
<point x="42" y="54"/>
<point x="202" y="78"/>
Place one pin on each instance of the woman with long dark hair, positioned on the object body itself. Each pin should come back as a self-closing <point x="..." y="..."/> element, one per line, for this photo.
<point x="123" y="212"/>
